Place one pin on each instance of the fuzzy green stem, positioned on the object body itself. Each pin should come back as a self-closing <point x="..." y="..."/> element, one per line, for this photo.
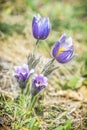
<point x="31" y="104"/>
<point x="22" y="90"/>
<point x="53" y="60"/>
<point x="27" y="88"/>
<point x="35" y="48"/>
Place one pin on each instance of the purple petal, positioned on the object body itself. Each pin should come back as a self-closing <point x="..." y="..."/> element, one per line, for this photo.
<point x="68" y="43"/>
<point x="71" y="48"/>
<point x="65" y="56"/>
<point x="55" y="49"/>
<point x="24" y="69"/>
<point x="17" y="69"/>
<point x="45" y="28"/>
<point x="35" y="28"/>
<point x="62" y="38"/>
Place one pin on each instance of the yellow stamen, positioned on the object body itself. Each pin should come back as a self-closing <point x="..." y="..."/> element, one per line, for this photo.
<point x="61" y="49"/>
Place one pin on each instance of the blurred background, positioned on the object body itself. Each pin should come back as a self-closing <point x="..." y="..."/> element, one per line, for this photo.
<point x="16" y="41"/>
<point x="68" y="16"/>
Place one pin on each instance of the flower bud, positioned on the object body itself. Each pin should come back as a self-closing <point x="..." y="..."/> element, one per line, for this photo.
<point x="22" y="74"/>
<point x="40" y="27"/>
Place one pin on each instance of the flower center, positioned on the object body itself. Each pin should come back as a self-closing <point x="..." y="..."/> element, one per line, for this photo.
<point x="39" y="83"/>
<point x="61" y="49"/>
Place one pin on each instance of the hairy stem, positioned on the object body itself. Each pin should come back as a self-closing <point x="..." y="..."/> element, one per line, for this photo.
<point x="35" y="48"/>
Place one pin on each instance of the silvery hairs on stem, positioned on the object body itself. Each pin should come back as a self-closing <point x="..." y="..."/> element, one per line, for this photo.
<point x="49" y="67"/>
<point x="33" y="61"/>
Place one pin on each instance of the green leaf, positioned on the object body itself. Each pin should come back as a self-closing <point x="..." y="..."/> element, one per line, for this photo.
<point x="59" y="128"/>
<point x="67" y="126"/>
<point x="73" y="82"/>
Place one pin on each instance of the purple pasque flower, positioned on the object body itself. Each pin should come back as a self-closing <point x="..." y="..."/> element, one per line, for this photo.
<point x="39" y="82"/>
<point x="22" y="73"/>
<point x="63" y="50"/>
<point x="40" y="27"/>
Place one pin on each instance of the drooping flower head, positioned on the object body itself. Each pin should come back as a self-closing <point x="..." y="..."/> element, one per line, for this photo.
<point x="22" y="73"/>
<point x="39" y="82"/>
<point x="63" y="50"/>
<point x="40" y="27"/>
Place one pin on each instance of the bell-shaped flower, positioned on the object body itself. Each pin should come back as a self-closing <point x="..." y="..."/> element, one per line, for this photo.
<point x="39" y="82"/>
<point x="22" y="74"/>
<point x="40" y="27"/>
<point x="63" y="50"/>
